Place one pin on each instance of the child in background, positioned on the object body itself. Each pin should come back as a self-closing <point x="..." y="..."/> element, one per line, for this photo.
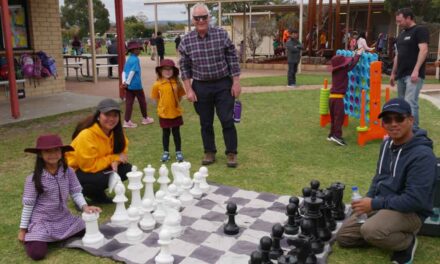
<point x="168" y="92"/>
<point x="45" y="216"/>
<point x="131" y="82"/>
<point x="340" y="67"/>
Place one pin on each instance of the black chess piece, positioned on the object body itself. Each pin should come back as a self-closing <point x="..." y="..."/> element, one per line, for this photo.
<point x="231" y="228"/>
<point x="291" y="227"/>
<point x="255" y="257"/>
<point x="314" y="184"/>
<point x="338" y="206"/>
<point x="309" y="224"/>
<point x="327" y="211"/>
<point x="288" y="259"/>
<point x="277" y="235"/>
<point x="306" y="191"/>
<point x="298" y="216"/>
<point x="303" y="250"/>
<point x="324" y="232"/>
<point x="265" y="244"/>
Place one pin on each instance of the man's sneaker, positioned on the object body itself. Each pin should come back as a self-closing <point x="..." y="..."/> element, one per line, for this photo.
<point x="179" y="156"/>
<point x="209" y="158"/>
<point x="338" y="141"/>
<point x="129" y="124"/>
<point x="147" y="121"/>
<point x="165" y="156"/>
<point x="231" y="160"/>
<point x="405" y="256"/>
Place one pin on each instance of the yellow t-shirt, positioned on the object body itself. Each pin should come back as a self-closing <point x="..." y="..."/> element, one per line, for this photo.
<point x="93" y="150"/>
<point x="168" y="95"/>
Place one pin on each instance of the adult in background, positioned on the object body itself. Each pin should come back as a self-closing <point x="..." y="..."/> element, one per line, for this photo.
<point x="112" y="49"/>
<point x="152" y="44"/>
<point x="209" y="58"/>
<point x="401" y="193"/>
<point x="177" y="41"/>
<point x="409" y="62"/>
<point x="362" y="42"/>
<point x="160" y="46"/>
<point x="100" y="148"/>
<point x="293" y="47"/>
<point x="76" y="46"/>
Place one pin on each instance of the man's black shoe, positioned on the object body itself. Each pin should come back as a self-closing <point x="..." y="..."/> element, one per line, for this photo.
<point x="405" y="256"/>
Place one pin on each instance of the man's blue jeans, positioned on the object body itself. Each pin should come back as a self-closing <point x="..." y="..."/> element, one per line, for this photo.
<point x="410" y="92"/>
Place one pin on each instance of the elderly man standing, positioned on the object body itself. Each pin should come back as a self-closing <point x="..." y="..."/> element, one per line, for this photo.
<point x="209" y="59"/>
<point x="409" y="62"/>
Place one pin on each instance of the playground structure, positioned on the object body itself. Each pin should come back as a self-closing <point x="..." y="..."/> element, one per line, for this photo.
<point x="362" y="99"/>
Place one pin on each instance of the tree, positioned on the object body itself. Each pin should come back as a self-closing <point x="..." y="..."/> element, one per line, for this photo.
<point x="134" y="28"/>
<point x="426" y="10"/>
<point x="265" y="27"/>
<point x="73" y="14"/>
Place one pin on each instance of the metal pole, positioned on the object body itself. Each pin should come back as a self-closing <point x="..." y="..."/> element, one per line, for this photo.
<point x="155" y="31"/>
<point x="244" y="34"/>
<point x="347" y="21"/>
<point x="301" y="13"/>
<point x="92" y="40"/>
<point x="13" y="96"/>
<point x="219" y="14"/>
<point x="330" y="24"/>
<point x="337" y="25"/>
<point x="369" y="21"/>
<point x="189" y="17"/>
<point x="121" y="43"/>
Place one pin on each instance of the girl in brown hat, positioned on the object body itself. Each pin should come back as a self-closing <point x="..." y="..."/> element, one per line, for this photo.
<point x="45" y="216"/>
<point x="168" y="92"/>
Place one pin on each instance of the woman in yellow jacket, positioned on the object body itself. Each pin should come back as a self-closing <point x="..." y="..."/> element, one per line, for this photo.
<point x="100" y="148"/>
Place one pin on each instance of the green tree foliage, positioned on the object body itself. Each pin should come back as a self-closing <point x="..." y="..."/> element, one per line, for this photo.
<point x="136" y="29"/>
<point x="75" y="13"/>
<point x="427" y="10"/>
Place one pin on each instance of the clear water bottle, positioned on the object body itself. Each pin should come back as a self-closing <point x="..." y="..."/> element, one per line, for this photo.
<point x="237" y="111"/>
<point x="354" y="197"/>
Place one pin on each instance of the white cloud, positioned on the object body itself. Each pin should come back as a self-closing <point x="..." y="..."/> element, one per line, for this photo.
<point x="133" y="7"/>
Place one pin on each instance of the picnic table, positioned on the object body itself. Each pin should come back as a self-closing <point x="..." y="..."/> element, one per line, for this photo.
<point x="77" y="64"/>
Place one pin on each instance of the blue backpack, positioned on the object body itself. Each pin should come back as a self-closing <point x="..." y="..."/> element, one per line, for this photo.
<point x="48" y="63"/>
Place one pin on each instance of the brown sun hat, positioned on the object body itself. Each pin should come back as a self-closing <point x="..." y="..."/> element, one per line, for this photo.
<point x="339" y="61"/>
<point x="134" y="45"/>
<point x="45" y="142"/>
<point x="168" y="63"/>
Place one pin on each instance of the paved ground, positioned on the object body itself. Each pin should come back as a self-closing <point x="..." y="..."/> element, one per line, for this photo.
<point x="83" y="95"/>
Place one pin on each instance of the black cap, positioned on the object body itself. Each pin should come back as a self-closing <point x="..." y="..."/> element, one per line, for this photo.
<point x="108" y="105"/>
<point x="396" y="105"/>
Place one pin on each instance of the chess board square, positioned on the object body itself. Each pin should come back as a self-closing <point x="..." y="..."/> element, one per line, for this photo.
<point x="252" y="236"/>
<point x="206" y="203"/>
<point x="194" y="211"/>
<point x="194" y="236"/>
<point x="218" y="198"/>
<point x="244" y="220"/>
<point x="257" y="203"/>
<point x="111" y="248"/>
<point x="278" y="207"/>
<point x="231" y="258"/>
<point x="212" y="187"/>
<point x="251" y="211"/>
<point x="226" y="190"/>
<point x="207" y="254"/>
<point x="238" y="201"/>
<point x="151" y="240"/>
<point x="284" y="199"/>
<point x="268" y="197"/>
<point x="177" y="260"/>
<point x="219" y="208"/>
<point x="138" y="253"/>
<point x="214" y="216"/>
<point x="205" y="225"/>
<point x="187" y="221"/>
<point x="244" y="247"/>
<point x="189" y="260"/>
<point x="220" y="242"/>
<point x="110" y="231"/>
<point x="262" y="226"/>
<point x="273" y="216"/>
<point x="246" y="194"/>
<point x="182" y="248"/>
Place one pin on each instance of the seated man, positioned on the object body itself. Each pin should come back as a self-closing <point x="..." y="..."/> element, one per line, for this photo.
<point x="402" y="191"/>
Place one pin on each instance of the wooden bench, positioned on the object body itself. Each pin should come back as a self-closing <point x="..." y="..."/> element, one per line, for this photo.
<point x="76" y="66"/>
<point x="108" y="66"/>
<point x="6" y="85"/>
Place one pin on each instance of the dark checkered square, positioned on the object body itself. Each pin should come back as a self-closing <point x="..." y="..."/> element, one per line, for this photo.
<point x="207" y="254"/>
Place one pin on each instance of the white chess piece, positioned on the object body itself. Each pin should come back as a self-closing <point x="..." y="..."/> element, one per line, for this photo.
<point x="186" y="167"/>
<point x="204" y="184"/>
<point x="93" y="237"/>
<point x="147" y="223"/>
<point x="133" y="232"/>
<point x="196" y="191"/>
<point x="135" y="185"/>
<point x="163" y="178"/>
<point x="173" y="218"/>
<point x="164" y="256"/>
<point x="172" y="190"/>
<point x="113" y="180"/>
<point x="177" y="176"/>
<point x="120" y="216"/>
<point x="186" y="197"/>
<point x="149" y="182"/>
<point x="160" y="213"/>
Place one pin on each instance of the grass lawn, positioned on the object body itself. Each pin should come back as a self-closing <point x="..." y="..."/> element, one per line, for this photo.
<point x="304" y="79"/>
<point x="281" y="148"/>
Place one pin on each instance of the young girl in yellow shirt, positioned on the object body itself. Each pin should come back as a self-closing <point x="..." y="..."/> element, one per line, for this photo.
<point x="168" y="92"/>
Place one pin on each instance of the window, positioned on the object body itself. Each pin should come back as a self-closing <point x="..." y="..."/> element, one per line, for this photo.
<point x="19" y="25"/>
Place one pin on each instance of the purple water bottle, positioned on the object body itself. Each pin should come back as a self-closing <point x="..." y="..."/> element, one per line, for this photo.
<point x="237" y="111"/>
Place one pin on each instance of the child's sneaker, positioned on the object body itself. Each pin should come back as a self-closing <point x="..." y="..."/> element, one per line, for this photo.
<point x="338" y="141"/>
<point x="179" y="156"/>
<point x="129" y="124"/>
<point x="147" y="121"/>
<point x="165" y="156"/>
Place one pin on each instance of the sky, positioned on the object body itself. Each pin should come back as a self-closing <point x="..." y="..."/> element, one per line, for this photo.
<point x="133" y="7"/>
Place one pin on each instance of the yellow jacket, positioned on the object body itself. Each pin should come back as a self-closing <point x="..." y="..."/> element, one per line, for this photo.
<point x="168" y="95"/>
<point x="93" y="150"/>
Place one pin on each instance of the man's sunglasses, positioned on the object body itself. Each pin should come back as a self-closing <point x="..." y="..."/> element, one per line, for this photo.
<point x="199" y="18"/>
<point x="397" y="118"/>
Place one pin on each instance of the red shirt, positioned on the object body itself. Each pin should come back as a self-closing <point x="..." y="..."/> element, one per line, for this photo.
<point x="340" y="77"/>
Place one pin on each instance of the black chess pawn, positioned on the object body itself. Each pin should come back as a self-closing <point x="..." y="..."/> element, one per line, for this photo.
<point x="277" y="235"/>
<point x="338" y="208"/>
<point x="303" y="250"/>
<point x="231" y="228"/>
<point x="306" y="192"/>
<point x="298" y="216"/>
<point x="255" y="257"/>
<point x="288" y="259"/>
<point x="265" y="244"/>
<point x="291" y="227"/>
<point x="314" y="184"/>
<point x="327" y="211"/>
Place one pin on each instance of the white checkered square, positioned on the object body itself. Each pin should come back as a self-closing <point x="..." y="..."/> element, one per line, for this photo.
<point x="253" y="236"/>
<point x="182" y="248"/>
<point x="138" y="253"/>
<point x="246" y="194"/>
<point x="273" y="217"/>
<point x="218" y="242"/>
<point x="244" y="220"/>
<point x="194" y="211"/>
<point x="205" y="225"/>
<point x="220" y="199"/>
<point x="232" y="258"/>
<point x="257" y="203"/>
<point x="190" y="260"/>
<point x="219" y="208"/>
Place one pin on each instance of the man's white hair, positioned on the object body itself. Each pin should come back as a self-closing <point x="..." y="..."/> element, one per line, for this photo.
<point x="200" y="5"/>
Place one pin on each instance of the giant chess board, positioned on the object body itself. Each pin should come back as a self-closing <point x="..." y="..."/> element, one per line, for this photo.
<point x="203" y="240"/>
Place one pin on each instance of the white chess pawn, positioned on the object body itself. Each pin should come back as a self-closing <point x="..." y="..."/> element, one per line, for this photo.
<point x="120" y="216"/>
<point x="93" y="237"/>
<point x="173" y="218"/>
<point x="149" y="182"/>
<point x="164" y="256"/>
<point x="172" y="190"/>
<point x="186" y="197"/>
<point x="147" y="223"/>
<point x="133" y="232"/>
<point x="163" y="178"/>
<point x="196" y="191"/>
<point x="160" y="213"/>
<point x="135" y="185"/>
<point x="204" y="184"/>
